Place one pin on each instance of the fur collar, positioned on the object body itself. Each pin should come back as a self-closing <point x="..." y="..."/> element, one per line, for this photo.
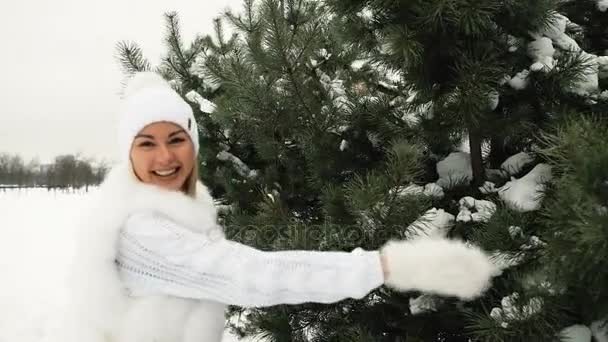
<point x="197" y="213"/>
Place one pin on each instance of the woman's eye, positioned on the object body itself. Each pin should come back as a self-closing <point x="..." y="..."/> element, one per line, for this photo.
<point x="177" y="141"/>
<point x="146" y="144"/>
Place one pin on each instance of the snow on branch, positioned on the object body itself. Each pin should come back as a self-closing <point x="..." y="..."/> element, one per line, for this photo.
<point x="581" y="333"/>
<point x="475" y="210"/>
<point x="434" y="223"/>
<point x="543" y="52"/>
<point x="575" y="333"/>
<point x="240" y="167"/>
<point x="511" y="311"/>
<point x="455" y="169"/>
<point x="515" y="163"/>
<point x="335" y="89"/>
<point x="431" y="189"/>
<point x="526" y="194"/>
<point x="507" y="259"/>
<point x="206" y="106"/>
<point x="424" y="303"/>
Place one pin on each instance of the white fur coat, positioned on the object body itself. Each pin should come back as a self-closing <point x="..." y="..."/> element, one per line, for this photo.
<point x="101" y="310"/>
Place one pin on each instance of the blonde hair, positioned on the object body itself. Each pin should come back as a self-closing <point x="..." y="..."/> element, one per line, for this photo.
<point x="190" y="185"/>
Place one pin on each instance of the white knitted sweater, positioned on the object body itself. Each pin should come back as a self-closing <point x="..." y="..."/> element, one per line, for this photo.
<point x="157" y="256"/>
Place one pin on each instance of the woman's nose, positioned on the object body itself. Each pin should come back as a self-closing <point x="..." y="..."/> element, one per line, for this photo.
<point x="164" y="155"/>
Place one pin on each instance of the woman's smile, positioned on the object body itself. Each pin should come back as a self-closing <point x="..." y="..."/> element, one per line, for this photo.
<point x="165" y="173"/>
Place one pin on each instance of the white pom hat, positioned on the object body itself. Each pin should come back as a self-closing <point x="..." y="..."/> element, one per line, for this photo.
<point x="148" y="99"/>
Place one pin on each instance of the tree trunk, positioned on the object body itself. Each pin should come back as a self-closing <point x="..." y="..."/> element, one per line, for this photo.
<point x="497" y="154"/>
<point x="476" y="160"/>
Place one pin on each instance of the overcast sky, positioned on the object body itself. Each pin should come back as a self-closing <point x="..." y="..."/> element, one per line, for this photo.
<point x="60" y="79"/>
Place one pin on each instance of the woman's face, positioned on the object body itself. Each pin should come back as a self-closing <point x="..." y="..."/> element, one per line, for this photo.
<point x="163" y="154"/>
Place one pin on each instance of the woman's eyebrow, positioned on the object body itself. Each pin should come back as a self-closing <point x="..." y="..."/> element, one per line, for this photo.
<point x="176" y="132"/>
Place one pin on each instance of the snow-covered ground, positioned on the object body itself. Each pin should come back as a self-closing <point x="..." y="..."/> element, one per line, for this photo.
<point x="30" y="222"/>
<point x="35" y="227"/>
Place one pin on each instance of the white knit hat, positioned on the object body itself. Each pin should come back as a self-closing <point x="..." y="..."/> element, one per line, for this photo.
<point x="148" y="99"/>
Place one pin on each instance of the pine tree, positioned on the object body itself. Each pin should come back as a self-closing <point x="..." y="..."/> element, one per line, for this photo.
<point x="502" y="72"/>
<point x="343" y="124"/>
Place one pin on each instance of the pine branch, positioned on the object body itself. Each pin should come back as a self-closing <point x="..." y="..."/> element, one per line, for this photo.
<point x="131" y="58"/>
<point x="174" y="43"/>
<point x="248" y="25"/>
<point x="276" y="33"/>
<point x="198" y="46"/>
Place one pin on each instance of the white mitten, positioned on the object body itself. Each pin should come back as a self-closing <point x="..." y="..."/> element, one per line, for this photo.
<point x="439" y="266"/>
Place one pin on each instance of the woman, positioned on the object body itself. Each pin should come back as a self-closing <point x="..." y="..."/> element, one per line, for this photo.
<point x="153" y="264"/>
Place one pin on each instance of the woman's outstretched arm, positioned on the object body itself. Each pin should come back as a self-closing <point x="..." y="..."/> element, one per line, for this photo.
<point x="158" y="256"/>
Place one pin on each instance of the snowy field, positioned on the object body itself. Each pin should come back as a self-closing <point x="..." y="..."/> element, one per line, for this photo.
<point x="35" y="227"/>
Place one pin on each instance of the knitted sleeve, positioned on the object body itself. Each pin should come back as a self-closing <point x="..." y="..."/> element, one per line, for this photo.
<point x="158" y="256"/>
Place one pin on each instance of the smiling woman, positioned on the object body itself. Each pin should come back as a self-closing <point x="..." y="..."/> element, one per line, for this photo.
<point x="163" y="154"/>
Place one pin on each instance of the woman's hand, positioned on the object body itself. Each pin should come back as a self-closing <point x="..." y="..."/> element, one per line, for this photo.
<point x="440" y="266"/>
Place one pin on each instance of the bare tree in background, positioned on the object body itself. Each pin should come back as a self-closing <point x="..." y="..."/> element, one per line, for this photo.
<point x="66" y="172"/>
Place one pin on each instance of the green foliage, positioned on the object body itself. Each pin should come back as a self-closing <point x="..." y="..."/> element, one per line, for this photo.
<point x="575" y="215"/>
<point x="540" y="326"/>
<point x="592" y="32"/>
